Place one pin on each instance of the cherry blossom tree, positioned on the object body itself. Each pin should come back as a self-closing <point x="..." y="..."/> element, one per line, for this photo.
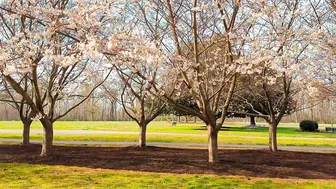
<point x="287" y="51"/>
<point x="268" y="101"/>
<point x="53" y="44"/>
<point x="18" y="103"/>
<point x="322" y="67"/>
<point x="138" y="103"/>
<point x="208" y="40"/>
<point x="215" y="42"/>
<point x="201" y="47"/>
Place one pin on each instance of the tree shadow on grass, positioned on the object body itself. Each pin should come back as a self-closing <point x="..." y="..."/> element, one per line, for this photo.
<point x="252" y="163"/>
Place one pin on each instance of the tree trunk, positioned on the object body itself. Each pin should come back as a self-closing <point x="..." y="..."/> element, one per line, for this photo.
<point x="48" y="135"/>
<point x="273" y="146"/>
<point x="26" y="132"/>
<point x="6" y="112"/>
<point x="142" y="136"/>
<point x="252" y="121"/>
<point x="213" y="144"/>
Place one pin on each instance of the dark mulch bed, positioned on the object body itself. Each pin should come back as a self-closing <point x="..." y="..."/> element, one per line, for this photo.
<point x="256" y="163"/>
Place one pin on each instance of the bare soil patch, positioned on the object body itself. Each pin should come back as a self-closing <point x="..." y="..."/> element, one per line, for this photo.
<point x="254" y="163"/>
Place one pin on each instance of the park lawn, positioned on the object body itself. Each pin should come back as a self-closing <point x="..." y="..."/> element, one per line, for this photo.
<point x="181" y="139"/>
<point x="14" y="175"/>
<point x="282" y="132"/>
<point x="156" y="126"/>
<point x="285" y="129"/>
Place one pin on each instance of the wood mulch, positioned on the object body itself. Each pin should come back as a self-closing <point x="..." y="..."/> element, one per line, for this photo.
<point x="254" y="163"/>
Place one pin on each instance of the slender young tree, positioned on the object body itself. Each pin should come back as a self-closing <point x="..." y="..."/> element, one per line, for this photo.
<point x="286" y="49"/>
<point x="269" y="101"/>
<point x="18" y="103"/>
<point x="140" y="105"/>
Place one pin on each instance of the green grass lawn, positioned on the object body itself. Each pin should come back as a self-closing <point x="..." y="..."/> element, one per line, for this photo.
<point x="234" y="133"/>
<point x="183" y="139"/>
<point x="285" y="129"/>
<point x="13" y="175"/>
<point x="157" y="126"/>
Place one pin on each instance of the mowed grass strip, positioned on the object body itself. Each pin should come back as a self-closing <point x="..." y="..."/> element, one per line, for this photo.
<point x="155" y="126"/>
<point x="181" y="139"/>
<point x="14" y="175"/>
<point x="285" y="129"/>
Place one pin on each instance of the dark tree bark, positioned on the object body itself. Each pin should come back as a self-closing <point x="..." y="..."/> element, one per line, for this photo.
<point x="48" y="135"/>
<point x="142" y="136"/>
<point x="273" y="146"/>
<point x="213" y="144"/>
<point x="252" y="121"/>
<point x="333" y="4"/>
<point x="26" y="132"/>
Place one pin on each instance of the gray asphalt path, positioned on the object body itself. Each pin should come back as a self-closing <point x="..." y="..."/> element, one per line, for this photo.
<point x="87" y="132"/>
<point x="175" y="144"/>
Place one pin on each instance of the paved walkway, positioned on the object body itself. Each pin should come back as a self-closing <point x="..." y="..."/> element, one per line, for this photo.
<point x="87" y="132"/>
<point x="175" y="144"/>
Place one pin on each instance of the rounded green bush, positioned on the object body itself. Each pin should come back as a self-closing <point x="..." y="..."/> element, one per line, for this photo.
<point x="308" y="125"/>
<point x="316" y="125"/>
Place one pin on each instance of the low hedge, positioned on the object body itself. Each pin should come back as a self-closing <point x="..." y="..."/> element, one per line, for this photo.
<point x="308" y="125"/>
